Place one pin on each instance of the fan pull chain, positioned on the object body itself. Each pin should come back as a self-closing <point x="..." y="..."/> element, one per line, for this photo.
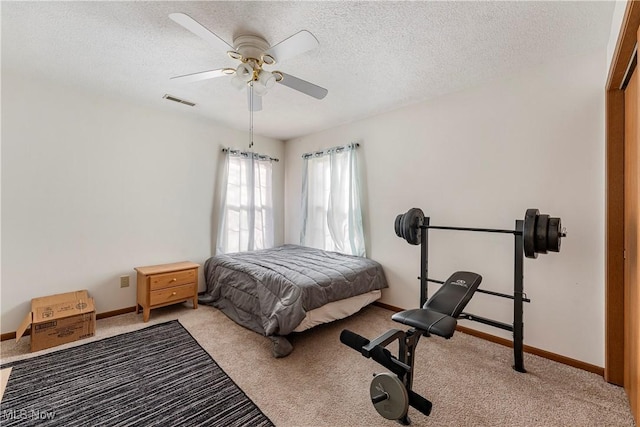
<point x="250" y="114"/>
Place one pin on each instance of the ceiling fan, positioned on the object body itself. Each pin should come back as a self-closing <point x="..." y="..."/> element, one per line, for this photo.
<point x="254" y="53"/>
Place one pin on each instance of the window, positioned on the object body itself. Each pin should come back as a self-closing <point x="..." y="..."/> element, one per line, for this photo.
<point x="246" y="219"/>
<point x="331" y="208"/>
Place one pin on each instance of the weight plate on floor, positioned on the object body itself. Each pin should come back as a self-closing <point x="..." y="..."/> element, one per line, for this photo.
<point x="554" y="234"/>
<point x="529" y="233"/>
<point x="397" y="404"/>
<point x="541" y="234"/>
<point x="397" y="225"/>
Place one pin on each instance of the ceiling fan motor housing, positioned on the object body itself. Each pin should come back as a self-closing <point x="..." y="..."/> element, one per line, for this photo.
<point x="250" y="47"/>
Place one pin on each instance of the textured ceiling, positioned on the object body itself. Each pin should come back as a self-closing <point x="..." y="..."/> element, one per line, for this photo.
<point x="373" y="56"/>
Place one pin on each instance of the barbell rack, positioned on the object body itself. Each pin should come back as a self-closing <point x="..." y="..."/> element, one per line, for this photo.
<point x="517" y="328"/>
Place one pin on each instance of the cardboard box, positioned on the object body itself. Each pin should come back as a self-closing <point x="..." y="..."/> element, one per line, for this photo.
<point x="59" y="319"/>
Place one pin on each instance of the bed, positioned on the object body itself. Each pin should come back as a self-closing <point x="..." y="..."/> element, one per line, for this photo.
<point x="290" y="288"/>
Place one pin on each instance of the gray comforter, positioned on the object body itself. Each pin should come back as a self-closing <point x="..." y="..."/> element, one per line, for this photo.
<point x="270" y="291"/>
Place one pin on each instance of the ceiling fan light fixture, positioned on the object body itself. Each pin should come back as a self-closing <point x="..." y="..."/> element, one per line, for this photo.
<point x="278" y="76"/>
<point x="267" y="79"/>
<point x="234" y="55"/>
<point x="228" y="71"/>
<point x="244" y="74"/>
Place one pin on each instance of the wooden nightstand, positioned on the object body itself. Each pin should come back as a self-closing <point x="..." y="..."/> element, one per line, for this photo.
<point x="165" y="284"/>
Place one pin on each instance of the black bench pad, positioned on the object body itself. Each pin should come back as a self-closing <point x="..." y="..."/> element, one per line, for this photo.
<point x="439" y="313"/>
<point x="454" y="294"/>
<point x="428" y="320"/>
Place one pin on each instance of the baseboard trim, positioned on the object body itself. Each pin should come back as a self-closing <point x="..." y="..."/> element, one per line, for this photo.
<point x="115" y="312"/>
<point x="535" y="351"/>
<point x="12" y="335"/>
<point x="388" y="307"/>
<point x="508" y="343"/>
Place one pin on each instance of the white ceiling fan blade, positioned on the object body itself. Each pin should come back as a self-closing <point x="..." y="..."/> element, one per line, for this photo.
<point x="257" y="101"/>
<point x="199" y="30"/>
<point x="202" y="75"/>
<point x="295" y="45"/>
<point x="303" y="86"/>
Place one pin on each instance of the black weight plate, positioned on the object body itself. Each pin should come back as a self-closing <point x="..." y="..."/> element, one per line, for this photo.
<point x="404" y="227"/>
<point x="529" y="233"/>
<point x="411" y="230"/>
<point x="561" y="234"/>
<point x="396" y="405"/>
<point x="396" y="225"/>
<point x="419" y="222"/>
<point x="554" y="234"/>
<point x="413" y="219"/>
<point x="541" y="234"/>
<point x="416" y="221"/>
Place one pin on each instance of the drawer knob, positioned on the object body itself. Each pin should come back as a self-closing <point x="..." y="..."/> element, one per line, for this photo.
<point x="174" y="279"/>
<point x="173" y="293"/>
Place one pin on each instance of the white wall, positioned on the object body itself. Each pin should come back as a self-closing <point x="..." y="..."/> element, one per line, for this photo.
<point x="480" y="158"/>
<point x="93" y="187"/>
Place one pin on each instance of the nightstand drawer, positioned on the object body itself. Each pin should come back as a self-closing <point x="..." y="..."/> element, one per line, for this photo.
<point x="161" y="281"/>
<point x="177" y="293"/>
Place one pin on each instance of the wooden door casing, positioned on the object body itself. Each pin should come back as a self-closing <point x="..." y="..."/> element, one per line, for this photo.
<point x="631" y="239"/>
<point x="615" y="195"/>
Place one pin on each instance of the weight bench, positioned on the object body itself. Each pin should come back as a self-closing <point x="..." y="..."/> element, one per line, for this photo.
<point x="391" y="395"/>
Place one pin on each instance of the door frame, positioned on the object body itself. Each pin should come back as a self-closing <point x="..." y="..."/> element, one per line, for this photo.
<point x="614" y="198"/>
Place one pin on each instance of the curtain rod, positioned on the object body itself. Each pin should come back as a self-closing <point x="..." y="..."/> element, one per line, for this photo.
<point x="260" y="156"/>
<point x="328" y="150"/>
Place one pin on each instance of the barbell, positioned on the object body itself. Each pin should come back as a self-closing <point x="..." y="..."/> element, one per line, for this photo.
<point x="540" y="234"/>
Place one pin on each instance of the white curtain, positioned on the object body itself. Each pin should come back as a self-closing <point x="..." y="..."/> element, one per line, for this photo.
<point x="246" y="215"/>
<point x="331" y="206"/>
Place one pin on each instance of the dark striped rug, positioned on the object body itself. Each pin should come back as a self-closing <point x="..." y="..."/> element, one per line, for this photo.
<point x="157" y="376"/>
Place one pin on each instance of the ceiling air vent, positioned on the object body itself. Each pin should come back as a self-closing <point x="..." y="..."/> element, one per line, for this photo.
<point x="181" y="101"/>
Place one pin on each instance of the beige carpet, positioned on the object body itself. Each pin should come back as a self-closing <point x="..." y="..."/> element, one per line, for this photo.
<point x="324" y="383"/>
